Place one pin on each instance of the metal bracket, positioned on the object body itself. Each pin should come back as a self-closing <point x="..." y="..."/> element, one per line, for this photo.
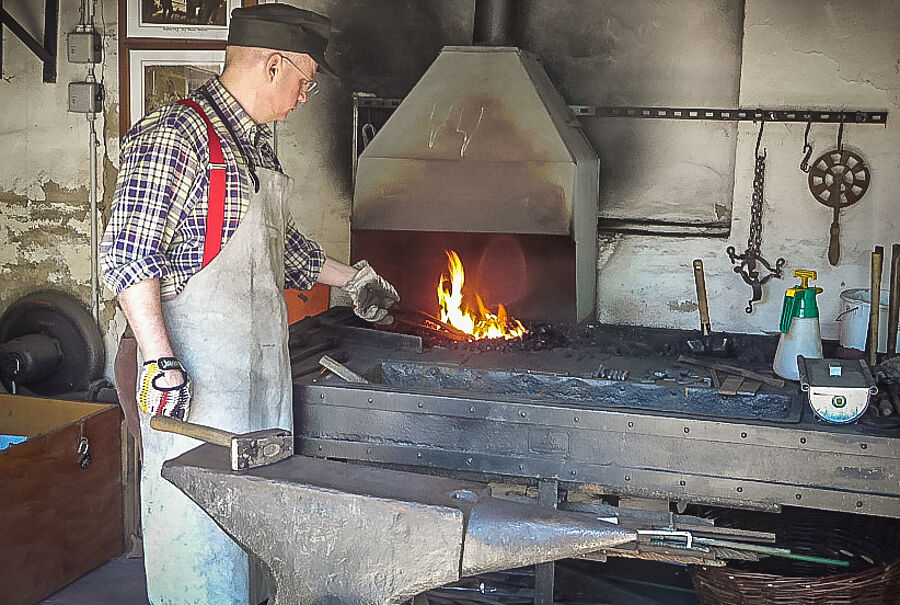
<point x="46" y="52"/>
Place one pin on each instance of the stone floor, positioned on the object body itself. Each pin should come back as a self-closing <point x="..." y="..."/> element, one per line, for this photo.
<point x="119" y="582"/>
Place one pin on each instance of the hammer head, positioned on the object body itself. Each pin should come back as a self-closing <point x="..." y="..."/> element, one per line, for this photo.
<point x="260" y="448"/>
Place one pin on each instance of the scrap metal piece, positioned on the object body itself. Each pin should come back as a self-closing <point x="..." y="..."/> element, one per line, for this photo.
<point x="337" y="532"/>
<point x="341" y="370"/>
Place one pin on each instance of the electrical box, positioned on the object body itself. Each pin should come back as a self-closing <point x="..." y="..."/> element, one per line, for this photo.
<point x="85" y="97"/>
<point x="84" y="47"/>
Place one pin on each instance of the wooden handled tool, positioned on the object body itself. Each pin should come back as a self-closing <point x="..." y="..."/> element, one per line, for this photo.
<point x="248" y="450"/>
<point x="894" y="305"/>
<point x="875" y="303"/>
<point x="702" y="303"/>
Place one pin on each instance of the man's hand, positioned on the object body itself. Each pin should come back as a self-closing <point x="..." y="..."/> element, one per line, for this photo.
<point x="370" y="293"/>
<point x="164" y="388"/>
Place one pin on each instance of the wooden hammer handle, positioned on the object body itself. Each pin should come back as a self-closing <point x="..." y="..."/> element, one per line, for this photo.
<point x="875" y="303"/>
<point x="189" y="429"/>
<point x="702" y="303"/>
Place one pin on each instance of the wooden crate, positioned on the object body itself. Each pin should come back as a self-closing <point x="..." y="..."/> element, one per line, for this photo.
<point x="58" y="521"/>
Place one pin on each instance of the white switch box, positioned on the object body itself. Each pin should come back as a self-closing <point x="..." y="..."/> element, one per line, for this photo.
<point x="84" y="47"/>
<point x="85" y="97"/>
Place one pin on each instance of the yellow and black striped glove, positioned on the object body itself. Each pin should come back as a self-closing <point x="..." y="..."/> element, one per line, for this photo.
<point x="163" y="401"/>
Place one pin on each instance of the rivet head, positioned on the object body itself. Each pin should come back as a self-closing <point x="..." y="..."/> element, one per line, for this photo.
<point x="859" y="504"/>
<point x="687" y="429"/>
<point x="743" y="435"/>
<point x="370" y="400"/>
<point x="799" y="496"/>
<point x="522" y="414"/>
<point x="322" y="396"/>
<point x="472" y="409"/>
<point x="627" y="477"/>
<point x="740" y="489"/>
<point x="863" y="445"/>
<point x="421" y="405"/>
<point x="575" y="419"/>
<point x="521" y="467"/>
<point x="574" y="472"/>
<point x="802" y="439"/>
<point x="468" y="461"/>
<point x="682" y="483"/>
<point x="418" y="454"/>
<point x="631" y="425"/>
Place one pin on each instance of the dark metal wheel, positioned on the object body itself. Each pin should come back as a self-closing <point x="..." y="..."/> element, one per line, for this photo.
<point x="50" y="344"/>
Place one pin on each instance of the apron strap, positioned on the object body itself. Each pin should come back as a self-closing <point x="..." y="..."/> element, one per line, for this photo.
<point x="215" y="210"/>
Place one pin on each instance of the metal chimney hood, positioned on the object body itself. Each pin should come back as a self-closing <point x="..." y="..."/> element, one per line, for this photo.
<point x="484" y="144"/>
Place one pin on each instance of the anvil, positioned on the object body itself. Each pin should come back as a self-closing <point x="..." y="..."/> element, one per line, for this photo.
<point x="337" y="532"/>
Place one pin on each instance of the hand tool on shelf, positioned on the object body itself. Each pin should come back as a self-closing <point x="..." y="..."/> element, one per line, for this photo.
<point x="248" y="450"/>
<point x="729" y="369"/>
<point x="708" y="342"/>
<point x="894" y="304"/>
<point x="702" y="303"/>
<point x="874" y="304"/>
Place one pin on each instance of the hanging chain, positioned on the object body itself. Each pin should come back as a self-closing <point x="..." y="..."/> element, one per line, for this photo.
<point x="747" y="262"/>
<point x="754" y="242"/>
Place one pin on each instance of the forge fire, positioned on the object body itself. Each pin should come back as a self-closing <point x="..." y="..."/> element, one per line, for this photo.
<point x="475" y="320"/>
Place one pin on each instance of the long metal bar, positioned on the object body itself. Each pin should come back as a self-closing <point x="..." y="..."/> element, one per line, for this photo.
<point x="548" y="496"/>
<point x="847" y="116"/>
<point x="51" y="28"/>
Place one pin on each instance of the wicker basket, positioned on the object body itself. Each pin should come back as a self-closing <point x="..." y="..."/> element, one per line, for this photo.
<point x="870" y="544"/>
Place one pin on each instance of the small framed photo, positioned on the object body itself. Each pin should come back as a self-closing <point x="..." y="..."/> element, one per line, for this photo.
<point x="195" y="19"/>
<point x="158" y="77"/>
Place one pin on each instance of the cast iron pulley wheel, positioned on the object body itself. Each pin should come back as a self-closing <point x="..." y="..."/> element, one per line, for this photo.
<point x="45" y="320"/>
<point x="837" y="179"/>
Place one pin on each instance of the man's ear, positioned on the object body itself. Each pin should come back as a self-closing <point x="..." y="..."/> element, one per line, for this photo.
<point x="273" y="64"/>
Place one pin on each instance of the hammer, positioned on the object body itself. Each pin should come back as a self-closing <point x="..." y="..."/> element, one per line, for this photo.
<point x="248" y="450"/>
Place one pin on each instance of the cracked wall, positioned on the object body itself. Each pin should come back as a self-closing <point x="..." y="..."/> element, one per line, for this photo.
<point x="45" y="172"/>
<point x="818" y="55"/>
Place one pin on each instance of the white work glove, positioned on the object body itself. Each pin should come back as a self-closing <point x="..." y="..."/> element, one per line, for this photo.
<point x="163" y="401"/>
<point x="370" y="294"/>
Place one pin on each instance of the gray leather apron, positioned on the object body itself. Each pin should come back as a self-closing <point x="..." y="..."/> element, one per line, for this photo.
<point x="228" y="327"/>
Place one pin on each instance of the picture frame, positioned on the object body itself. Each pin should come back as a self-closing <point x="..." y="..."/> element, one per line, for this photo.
<point x="157" y="77"/>
<point x="194" y="19"/>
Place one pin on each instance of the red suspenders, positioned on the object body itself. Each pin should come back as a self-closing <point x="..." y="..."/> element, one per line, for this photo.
<point x="215" y="212"/>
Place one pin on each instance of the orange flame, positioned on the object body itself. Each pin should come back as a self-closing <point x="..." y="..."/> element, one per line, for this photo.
<point x="479" y="323"/>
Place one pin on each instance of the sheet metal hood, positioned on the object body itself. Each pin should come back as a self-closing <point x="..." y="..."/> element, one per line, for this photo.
<point x="482" y="143"/>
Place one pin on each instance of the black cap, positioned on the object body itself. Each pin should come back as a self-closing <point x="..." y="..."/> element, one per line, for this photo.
<point x="282" y="27"/>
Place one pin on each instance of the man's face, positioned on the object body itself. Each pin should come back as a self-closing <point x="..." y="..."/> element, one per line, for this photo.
<point x="290" y="75"/>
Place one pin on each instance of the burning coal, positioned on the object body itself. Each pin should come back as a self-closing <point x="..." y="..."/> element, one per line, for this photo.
<point x="479" y="322"/>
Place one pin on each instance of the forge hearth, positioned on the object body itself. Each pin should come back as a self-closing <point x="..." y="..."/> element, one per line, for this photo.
<point x="483" y="157"/>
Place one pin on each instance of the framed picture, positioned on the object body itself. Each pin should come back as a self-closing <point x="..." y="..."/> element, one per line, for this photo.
<point x="158" y="77"/>
<point x="196" y="19"/>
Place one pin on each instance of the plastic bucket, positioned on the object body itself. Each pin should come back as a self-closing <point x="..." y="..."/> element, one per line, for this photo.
<point x="854" y="319"/>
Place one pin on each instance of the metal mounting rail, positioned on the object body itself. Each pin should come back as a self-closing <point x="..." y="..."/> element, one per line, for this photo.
<point x="46" y="52"/>
<point x="850" y="116"/>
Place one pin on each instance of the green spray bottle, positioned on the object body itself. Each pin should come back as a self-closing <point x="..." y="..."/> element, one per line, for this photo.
<point x="800" y="334"/>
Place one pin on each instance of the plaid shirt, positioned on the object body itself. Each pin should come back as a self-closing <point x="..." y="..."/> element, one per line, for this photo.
<point x="157" y="225"/>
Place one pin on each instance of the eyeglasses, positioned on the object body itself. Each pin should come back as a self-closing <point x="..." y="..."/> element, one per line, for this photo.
<point x="310" y="85"/>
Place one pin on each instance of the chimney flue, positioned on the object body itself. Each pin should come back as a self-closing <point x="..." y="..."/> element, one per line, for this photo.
<point x="495" y="23"/>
